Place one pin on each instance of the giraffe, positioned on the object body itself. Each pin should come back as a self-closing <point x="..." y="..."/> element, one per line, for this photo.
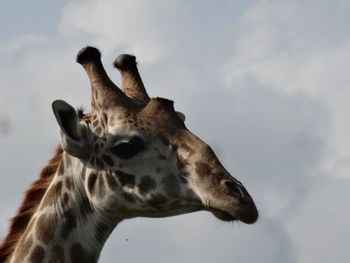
<point x="131" y="156"/>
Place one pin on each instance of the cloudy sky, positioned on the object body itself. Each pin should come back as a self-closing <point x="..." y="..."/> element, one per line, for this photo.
<point x="265" y="83"/>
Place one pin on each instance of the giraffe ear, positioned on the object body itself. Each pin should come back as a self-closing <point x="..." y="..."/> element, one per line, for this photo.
<point x="73" y="134"/>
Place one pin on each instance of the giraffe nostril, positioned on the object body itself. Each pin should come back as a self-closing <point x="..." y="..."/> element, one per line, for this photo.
<point x="237" y="190"/>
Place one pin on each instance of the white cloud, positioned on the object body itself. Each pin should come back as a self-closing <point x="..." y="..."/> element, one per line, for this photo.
<point x="321" y="229"/>
<point x="142" y="27"/>
<point x="288" y="47"/>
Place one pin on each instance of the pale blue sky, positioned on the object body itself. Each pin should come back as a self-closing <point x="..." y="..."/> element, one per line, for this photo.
<point x="18" y="17"/>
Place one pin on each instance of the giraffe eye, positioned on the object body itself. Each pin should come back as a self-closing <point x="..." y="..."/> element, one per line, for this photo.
<point x="129" y="148"/>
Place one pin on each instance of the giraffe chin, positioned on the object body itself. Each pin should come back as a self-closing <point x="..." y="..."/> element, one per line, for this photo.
<point x="222" y="215"/>
<point x="247" y="218"/>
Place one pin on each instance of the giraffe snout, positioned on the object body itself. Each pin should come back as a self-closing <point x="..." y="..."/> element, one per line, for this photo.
<point x="235" y="203"/>
<point x="237" y="190"/>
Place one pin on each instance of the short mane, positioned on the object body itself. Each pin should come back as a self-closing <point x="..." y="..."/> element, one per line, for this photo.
<point x="29" y="205"/>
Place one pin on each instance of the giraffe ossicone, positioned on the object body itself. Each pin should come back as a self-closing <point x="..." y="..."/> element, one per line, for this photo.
<point x="131" y="156"/>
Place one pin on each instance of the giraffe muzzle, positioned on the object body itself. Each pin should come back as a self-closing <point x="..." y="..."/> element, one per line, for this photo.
<point x="237" y="190"/>
<point x="245" y="209"/>
<point x="234" y="204"/>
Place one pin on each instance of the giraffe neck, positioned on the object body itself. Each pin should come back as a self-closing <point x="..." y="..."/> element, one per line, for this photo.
<point x="65" y="227"/>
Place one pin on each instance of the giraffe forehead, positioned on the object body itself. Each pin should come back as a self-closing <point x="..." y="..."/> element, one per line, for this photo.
<point x="158" y="116"/>
<point x="146" y="128"/>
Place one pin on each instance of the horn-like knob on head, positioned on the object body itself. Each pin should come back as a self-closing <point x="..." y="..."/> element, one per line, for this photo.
<point x="88" y="54"/>
<point x="125" y="61"/>
<point x="104" y="92"/>
<point x="132" y="84"/>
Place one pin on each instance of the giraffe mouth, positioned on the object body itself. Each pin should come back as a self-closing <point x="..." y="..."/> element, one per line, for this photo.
<point x="222" y="215"/>
<point x="246" y="213"/>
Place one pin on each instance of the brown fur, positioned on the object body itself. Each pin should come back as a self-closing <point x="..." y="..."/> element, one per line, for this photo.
<point x="29" y="205"/>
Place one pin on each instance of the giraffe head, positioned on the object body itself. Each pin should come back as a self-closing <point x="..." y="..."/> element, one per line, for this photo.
<point x="146" y="161"/>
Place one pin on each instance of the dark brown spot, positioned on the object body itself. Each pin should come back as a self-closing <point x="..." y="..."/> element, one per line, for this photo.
<point x="57" y="255"/>
<point x="126" y="179"/>
<point x="157" y="200"/>
<point x="174" y="147"/>
<point x="37" y="254"/>
<point x="46" y="226"/>
<point x="78" y="254"/>
<point x="91" y="182"/>
<point x="69" y="222"/>
<point x="111" y="181"/>
<point x="108" y="160"/>
<point x="165" y="141"/>
<point x="95" y="123"/>
<point x="68" y="182"/>
<point x="202" y="169"/>
<point x="98" y="130"/>
<point x="146" y="184"/>
<point x="171" y="185"/>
